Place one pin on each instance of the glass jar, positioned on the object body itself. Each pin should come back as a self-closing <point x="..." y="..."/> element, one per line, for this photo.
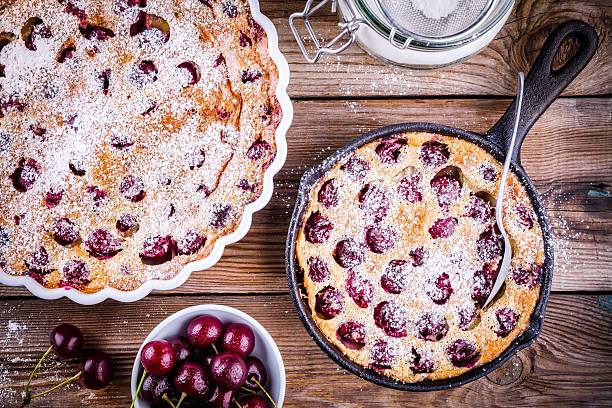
<point x="368" y="24"/>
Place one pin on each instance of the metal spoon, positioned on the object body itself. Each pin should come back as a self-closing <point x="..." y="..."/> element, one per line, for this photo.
<point x="505" y="266"/>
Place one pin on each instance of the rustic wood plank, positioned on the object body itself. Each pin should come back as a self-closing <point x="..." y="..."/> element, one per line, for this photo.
<point x="568" y="154"/>
<point x="492" y="72"/>
<point x="568" y="365"/>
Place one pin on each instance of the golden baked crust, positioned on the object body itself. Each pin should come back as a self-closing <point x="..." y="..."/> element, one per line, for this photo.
<point x="399" y="292"/>
<point x="159" y="115"/>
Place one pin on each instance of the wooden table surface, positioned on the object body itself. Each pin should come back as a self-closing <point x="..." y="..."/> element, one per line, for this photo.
<point x="568" y="154"/>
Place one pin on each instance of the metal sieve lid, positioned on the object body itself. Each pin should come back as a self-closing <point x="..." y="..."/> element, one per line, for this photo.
<point x="436" y="21"/>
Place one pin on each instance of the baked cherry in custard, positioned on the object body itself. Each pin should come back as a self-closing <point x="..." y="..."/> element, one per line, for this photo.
<point x="400" y="250"/>
<point x="139" y="162"/>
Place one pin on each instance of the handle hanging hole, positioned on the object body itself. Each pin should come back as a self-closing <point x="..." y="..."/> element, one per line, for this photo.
<point x="568" y="48"/>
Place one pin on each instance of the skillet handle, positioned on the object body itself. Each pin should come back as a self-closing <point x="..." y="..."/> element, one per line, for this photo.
<point x="544" y="84"/>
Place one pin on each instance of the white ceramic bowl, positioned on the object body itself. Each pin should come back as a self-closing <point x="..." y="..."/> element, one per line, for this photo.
<point x="245" y="224"/>
<point x="265" y="347"/>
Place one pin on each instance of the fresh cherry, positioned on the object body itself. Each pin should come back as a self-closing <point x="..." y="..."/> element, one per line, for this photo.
<point x="158" y="357"/>
<point x="257" y="376"/>
<point x="96" y="370"/>
<point x="154" y="388"/>
<point x="228" y="370"/>
<point x="204" y="330"/>
<point x="191" y="379"/>
<point x="67" y="341"/>
<point x="253" y="401"/>
<point x="221" y="399"/>
<point x="182" y="348"/>
<point x="238" y="338"/>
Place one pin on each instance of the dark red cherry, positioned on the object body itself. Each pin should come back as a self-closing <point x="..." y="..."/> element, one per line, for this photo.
<point x="192" y="70"/>
<point x="94" y="32"/>
<point x="190" y="243"/>
<point x="104" y="79"/>
<point x="318" y="228"/>
<point x="328" y="194"/>
<point x="479" y="210"/>
<point x="191" y="378"/>
<point x="38" y="130"/>
<point x="409" y="188"/>
<point x="489" y="245"/>
<point x="53" y="198"/>
<point x="26" y="174"/>
<point x="65" y="231"/>
<point x="132" y="188"/>
<point x="440" y="289"/>
<point x="228" y="370"/>
<point x="352" y="335"/>
<point x="382" y="355"/>
<point x="447" y="190"/>
<point x="258" y="150"/>
<point x="525" y="216"/>
<point x="157" y="250"/>
<point x="418" y="255"/>
<point x="348" y="253"/>
<point x="182" y="348"/>
<point x="253" y="401"/>
<point x="443" y="228"/>
<point x="318" y="270"/>
<point x="506" y="321"/>
<point x="238" y="338"/>
<point x="143" y="73"/>
<point x="220" y="60"/>
<point x="395" y="277"/>
<point x="389" y="150"/>
<point x="154" y="387"/>
<point x="76" y="273"/>
<point x="487" y="172"/>
<point x="244" y="40"/>
<point x="392" y="318"/>
<point x="77" y="166"/>
<point x="121" y="141"/>
<point x="220" y="398"/>
<point x="374" y="202"/>
<point x="255" y="371"/>
<point x="38" y="261"/>
<point x="127" y="224"/>
<point x="158" y="357"/>
<point x="380" y="239"/>
<point x="482" y="283"/>
<point x="463" y="353"/>
<point x="433" y="153"/>
<point x="102" y="244"/>
<point x="356" y="167"/>
<point x="75" y="11"/>
<point x="256" y="29"/>
<point x="96" y="370"/>
<point x="466" y="316"/>
<point x="329" y="302"/>
<point x="431" y="326"/>
<point x="250" y="75"/>
<point x="220" y="215"/>
<point x="204" y="330"/>
<point x="421" y="364"/>
<point x="67" y="341"/>
<point x="528" y="277"/>
<point x="360" y="290"/>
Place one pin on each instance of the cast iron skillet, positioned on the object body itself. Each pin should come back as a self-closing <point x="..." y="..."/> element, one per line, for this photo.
<point x="542" y="86"/>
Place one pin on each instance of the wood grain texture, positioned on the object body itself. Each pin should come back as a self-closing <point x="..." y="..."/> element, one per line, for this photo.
<point x="568" y="154"/>
<point x="492" y="72"/>
<point x="568" y="365"/>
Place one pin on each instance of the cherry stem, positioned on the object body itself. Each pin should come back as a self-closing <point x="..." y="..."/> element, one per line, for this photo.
<point x="27" y="387"/>
<point x="180" y="401"/>
<point x="168" y="400"/>
<point x="214" y="348"/>
<point x="248" y="390"/>
<point x="264" y="391"/>
<point x="237" y="403"/>
<point x="55" y="387"/>
<point x="142" y="377"/>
